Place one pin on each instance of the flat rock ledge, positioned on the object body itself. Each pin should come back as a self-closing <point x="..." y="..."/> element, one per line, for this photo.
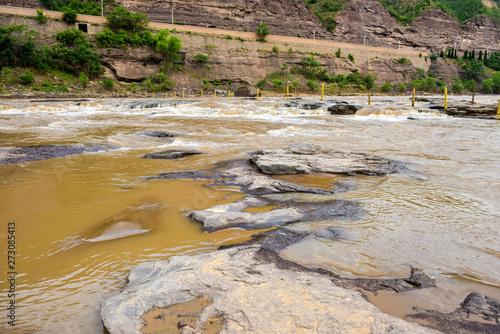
<point x="16" y="154"/>
<point x="233" y="292"/>
<point x="284" y="212"/>
<point x="306" y="158"/>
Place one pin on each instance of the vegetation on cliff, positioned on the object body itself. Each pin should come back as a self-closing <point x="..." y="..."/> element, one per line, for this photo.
<point x="406" y="11"/>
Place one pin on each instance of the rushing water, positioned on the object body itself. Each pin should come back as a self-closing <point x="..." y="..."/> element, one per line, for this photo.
<point x="442" y="217"/>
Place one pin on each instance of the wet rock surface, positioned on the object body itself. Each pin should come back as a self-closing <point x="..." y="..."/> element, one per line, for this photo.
<point x="242" y="174"/>
<point x="344" y="109"/>
<point x="171" y="154"/>
<point x="247" y="295"/>
<point x="308" y="158"/>
<point x="234" y="214"/>
<point x="15" y="154"/>
<point x="477" y="314"/>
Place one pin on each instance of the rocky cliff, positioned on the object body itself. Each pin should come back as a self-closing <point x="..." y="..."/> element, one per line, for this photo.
<point x="434" y="30"/>
<point x="284" y="17"/>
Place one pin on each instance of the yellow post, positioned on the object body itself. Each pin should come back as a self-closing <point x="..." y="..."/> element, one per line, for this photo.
<point x="153" y="95"/>
<point x="175" y="94"/>
<point x="498" y="111"/>
<point x="322" y="91"/>
<point x="287" y="93"/>
<point x="445" y="97"/>
<point x="215" y="94"/>
<point x="258" y="90"/>
<point x="413" y="97"/>
<point x="166" y="95"/>
<point x="229" y="95"/>
<point x="202" y="94"/>
<point x="183" y="93"/>
<point x="369" y="98"/>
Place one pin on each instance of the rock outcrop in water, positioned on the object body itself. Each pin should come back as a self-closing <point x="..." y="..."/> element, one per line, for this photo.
<point x="15" y="154"/>
<point x="244" y="295"/>
<point x="172" y="154"/>
<point x="308" y="158"/>
<point x="286" y="212"/>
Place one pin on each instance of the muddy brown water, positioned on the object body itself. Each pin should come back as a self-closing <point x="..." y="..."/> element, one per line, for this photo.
<point x="83" y="221"/>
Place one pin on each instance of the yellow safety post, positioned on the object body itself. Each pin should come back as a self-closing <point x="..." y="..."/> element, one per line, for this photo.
<point x="473" y="92"/>
<point x="229" y="95"/>
<point x="166" y="95"/>
<point x="215" y="94"/>
<point x="498" y="111"/>
<point x="413" y="97"/>
<point x="153" y="95"/>
<point x="183" y="93"/>
<point x="287" y="93"/>
<point x="202" y="94"/>
<point x="445" y="97"/>
<point x="369" y="98"/>
<point x="322" y="91"/>
<point x="258" y="90"/>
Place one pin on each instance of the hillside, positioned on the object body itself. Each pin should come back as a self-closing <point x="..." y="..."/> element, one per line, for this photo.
<point x="405" y="11"/>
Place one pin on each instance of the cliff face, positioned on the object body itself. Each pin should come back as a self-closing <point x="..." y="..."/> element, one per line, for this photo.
<point x="433" y="31"/>
<point x="284" y="17"/>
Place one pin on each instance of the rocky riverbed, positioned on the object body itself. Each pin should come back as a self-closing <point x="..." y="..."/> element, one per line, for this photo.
<point x="251" y="288"/>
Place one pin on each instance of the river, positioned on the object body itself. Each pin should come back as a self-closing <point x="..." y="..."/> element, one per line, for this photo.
<point x="443" y="216"/>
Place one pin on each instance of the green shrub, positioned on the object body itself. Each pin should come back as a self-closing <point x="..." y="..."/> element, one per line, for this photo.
<point x="404" y="60"/>
<point x="351" y="57"/>
<point x="401" y="87"/>
<point x="40" y="17"/>
<point x="457" y="87"/>
<point x="295" y="83"/>
<point x="261" y="84"/>
<point x="369" y="80"/>
<point x="386" y="87"/>
<point x="433" y="56"/>
<point x="240" y="39"/>
<point x="27" y="78"/>
<point x="276" y="49"/>
<point x="262" y="31"/>
<point x="107" y="83"/>
<point x="338" y="53"/>
<point x="69" y="16"/>
<point x="310" y="65"/>
<point x="122" y="18"/>
<point x="277" y="84"/>
<point x="133" y="87"/>
<point x="216" y="81"/>
<point x="83" y="80"/>
<point x="312" y="84"/>
<point x="70" y="36"/>
<point x="229" y="37"/>
<point x="201" y="58"/>
<point x="294" y="70"/>
<point x="284" y="67"/>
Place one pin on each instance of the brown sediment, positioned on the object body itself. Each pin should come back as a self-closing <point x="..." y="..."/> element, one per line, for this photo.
<point x="173" y="319"/>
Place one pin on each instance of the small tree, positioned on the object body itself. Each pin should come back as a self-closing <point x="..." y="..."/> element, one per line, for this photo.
<point x="27" y="77"/>
<point x="262" y="31"/>
<point x="338" y="53"/>
<point x="401" y="87"/>
<point x="168" y="46"/>
<point x="351" y="57"/>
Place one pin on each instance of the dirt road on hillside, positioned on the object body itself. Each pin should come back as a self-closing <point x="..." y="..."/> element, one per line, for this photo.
<point x="212" y="31"/>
